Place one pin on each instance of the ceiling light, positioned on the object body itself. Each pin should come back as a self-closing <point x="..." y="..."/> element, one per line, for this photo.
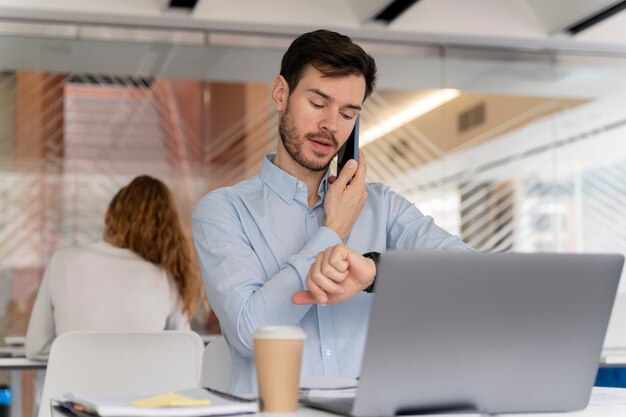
<point x="408" y="114"/>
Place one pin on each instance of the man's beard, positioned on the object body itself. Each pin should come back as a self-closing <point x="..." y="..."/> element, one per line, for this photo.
<point x="292" y="141"/>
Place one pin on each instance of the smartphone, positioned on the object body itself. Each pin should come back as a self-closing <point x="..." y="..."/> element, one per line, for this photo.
<point x="350" y="149"/>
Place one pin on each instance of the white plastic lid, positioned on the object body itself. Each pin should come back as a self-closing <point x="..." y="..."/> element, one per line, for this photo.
<point x="280" y="332"/>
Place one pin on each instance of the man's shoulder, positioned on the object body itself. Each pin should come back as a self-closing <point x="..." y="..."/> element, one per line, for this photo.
<point x="382" y="195"/>
<point x="377" y="189"/>
<point x="230" y="196"/>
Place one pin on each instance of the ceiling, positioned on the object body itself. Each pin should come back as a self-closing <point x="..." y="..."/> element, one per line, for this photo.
<point x="513" y="23"/>
<point x="520" y="47"/>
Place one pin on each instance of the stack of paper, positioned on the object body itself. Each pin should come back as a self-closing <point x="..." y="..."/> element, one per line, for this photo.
<point x="187" y="403"/>
<point x="14" y="347"/>
<point x="12" y="351"/>
<point x="328" y="387"/>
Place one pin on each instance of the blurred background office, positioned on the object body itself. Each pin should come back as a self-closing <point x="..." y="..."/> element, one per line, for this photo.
<point x="503" y="119"/>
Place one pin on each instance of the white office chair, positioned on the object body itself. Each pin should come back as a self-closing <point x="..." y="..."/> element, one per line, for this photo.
<point x="216" y="365"/>
<point x="127" y="363"/>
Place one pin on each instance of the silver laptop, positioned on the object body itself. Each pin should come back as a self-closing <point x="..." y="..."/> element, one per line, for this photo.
<point x="490" y="333"/>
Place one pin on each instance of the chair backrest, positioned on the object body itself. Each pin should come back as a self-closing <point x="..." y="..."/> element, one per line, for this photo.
<point x="216" y="365"/>
<point x="126" y="363"/>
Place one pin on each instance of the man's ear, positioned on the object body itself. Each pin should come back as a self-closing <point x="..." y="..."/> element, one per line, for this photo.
<point x="280" y="93"/>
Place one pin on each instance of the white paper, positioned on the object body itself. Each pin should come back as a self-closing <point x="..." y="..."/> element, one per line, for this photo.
<point x="328" y="387"/>
<point x="329" y="393"/>
<point x="608" y="397"/>
<point x="121" y="406"/>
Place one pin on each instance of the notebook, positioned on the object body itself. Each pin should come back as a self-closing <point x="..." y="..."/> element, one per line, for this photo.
<point x="490" y="333"/>
<point x="192" y="402"/>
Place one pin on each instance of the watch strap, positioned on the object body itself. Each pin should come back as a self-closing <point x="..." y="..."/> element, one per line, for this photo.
<point x="374" y="256"/>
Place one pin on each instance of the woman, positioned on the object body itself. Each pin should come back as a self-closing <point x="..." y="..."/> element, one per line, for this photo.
<point x="139" y="278"/>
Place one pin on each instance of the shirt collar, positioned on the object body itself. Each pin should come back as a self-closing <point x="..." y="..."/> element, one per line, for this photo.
<point x="284" y="184"/>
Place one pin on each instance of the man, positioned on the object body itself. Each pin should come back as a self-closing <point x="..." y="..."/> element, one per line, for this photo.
<point x="257" y="240"/>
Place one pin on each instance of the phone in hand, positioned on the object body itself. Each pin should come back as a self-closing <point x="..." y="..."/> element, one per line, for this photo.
<point x="350" y="149"/>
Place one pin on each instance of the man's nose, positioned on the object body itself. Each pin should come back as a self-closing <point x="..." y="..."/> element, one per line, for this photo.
<point x="329" y="122"/>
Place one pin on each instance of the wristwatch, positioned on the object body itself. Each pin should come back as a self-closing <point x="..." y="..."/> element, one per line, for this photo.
<point x="374" y="256"/>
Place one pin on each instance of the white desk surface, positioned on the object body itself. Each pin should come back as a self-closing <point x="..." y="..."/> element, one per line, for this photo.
<point x="604" y="402"/>
<point x="21" y="363"/>
<point x="591" y="411"/>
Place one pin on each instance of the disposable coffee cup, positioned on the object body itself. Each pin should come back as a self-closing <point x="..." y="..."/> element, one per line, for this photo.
<point x="278" y="357"/>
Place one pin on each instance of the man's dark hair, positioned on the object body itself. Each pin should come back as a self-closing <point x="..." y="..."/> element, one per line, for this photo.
<point x="331" y="53"/>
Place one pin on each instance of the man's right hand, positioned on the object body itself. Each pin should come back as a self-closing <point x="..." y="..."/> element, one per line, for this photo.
<point x="346" y="197"/>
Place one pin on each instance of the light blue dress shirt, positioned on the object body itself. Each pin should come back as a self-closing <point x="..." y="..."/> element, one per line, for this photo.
<point x="256" y="241"/>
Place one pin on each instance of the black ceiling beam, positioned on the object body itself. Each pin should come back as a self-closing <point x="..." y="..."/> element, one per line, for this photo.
<point x="181" y="4"/>
<point x="596" y="18"/>
<point x="393" y="10"/>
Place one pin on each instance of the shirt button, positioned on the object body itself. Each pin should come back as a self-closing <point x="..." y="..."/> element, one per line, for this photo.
<point x="322" y="305"/>
<point x="328" y="352"/>
<point x="299" y="185"/>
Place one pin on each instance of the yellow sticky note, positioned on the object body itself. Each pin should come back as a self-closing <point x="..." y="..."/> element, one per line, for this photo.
<point x="169" y="399"/>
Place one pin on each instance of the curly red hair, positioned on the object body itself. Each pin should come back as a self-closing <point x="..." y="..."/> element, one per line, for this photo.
<point x="143" y="217"/>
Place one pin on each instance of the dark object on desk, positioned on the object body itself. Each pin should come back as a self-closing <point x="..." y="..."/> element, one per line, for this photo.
<point x="67" y="408"/>
<point x="5" y="400"/>
<point x="493" y="333"/>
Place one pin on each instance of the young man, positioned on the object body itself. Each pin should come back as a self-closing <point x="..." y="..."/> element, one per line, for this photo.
<point x="257" y="240"/>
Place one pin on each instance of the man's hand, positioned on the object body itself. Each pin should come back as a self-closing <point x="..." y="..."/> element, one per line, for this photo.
<point x="336" y="275"/>
<point x="346" y="197"/>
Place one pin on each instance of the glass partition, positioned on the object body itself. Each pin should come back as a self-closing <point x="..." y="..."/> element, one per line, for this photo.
<point x="512" y="150"/>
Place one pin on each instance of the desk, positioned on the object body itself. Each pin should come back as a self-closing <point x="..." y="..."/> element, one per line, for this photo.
<point x="12" y="364"/>
<point x="15" y="366"/>
<point x="605" y="402"/>
<point x="615" y="356"/>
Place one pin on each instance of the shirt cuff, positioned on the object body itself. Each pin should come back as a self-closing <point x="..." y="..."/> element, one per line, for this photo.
<point x="323" y="238"/>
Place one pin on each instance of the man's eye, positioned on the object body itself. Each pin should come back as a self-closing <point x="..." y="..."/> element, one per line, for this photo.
<point x="316" y="105"/>
<point x="347" y="116"/>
